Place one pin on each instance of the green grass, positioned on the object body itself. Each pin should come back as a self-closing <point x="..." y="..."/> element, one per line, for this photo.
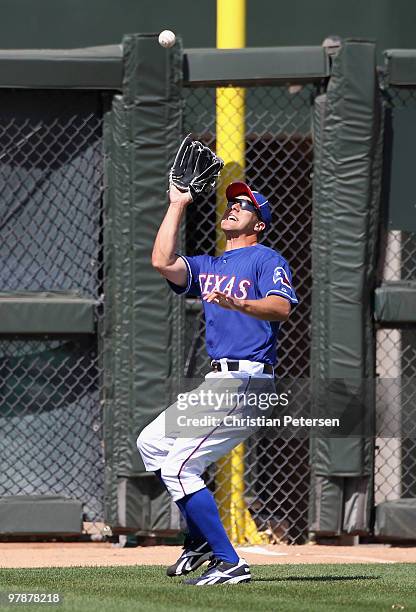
<point x="274" y="588"/>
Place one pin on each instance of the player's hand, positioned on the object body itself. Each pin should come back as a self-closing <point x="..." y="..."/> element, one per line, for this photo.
<point x="223" y="300"/>
<point x="178" y="197"/>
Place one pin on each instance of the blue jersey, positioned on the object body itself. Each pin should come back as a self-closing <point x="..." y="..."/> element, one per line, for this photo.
<point x="248" y="273"/>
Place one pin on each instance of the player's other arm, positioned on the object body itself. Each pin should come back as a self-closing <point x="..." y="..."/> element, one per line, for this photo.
<point x="164" y="258"/>
<point x="270" y="308"/>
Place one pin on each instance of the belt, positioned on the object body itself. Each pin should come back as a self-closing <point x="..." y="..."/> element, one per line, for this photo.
<point x="234" y="366"/>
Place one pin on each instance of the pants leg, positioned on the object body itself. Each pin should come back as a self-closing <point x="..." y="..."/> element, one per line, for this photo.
<point x="153" y="445"/>
<point x="188" y="457"/>
<point x="183" y="453"/>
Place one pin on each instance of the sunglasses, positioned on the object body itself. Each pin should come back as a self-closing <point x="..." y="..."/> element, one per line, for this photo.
<point x="244" y="205"/>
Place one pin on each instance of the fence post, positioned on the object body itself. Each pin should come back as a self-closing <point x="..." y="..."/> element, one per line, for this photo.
<point x="145" y="128"/>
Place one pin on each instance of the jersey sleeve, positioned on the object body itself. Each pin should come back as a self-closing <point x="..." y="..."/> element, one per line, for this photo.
<point x="275" y="278"/>
<point x="192" y="285"/>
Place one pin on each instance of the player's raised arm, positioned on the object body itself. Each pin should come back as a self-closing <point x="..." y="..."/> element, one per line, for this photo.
<point x="194" y="171"/>
<point x="164" y="257"/>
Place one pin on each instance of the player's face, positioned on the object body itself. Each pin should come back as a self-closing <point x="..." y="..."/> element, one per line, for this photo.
<point x="240" y="218"/>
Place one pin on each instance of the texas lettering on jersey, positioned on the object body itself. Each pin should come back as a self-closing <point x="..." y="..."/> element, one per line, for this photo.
<point x="225" y="283"/>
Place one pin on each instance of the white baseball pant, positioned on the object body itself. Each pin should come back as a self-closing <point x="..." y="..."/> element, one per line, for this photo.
<point x="183" y="454"/>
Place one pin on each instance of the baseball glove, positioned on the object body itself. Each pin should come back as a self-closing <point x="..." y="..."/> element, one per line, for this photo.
<point x="195" y="168"/>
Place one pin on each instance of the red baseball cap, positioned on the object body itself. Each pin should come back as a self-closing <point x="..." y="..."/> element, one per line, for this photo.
<point x="239" y="188"/>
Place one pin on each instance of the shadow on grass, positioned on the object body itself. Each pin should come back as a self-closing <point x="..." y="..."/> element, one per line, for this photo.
<point x="314" y="578"/>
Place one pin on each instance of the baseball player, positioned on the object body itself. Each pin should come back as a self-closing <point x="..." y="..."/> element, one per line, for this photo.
<point x="246" y="294"/>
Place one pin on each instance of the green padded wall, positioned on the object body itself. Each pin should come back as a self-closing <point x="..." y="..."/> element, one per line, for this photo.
<point x="347" y="173"/>
<point x="141" y="135"/>
<point x="395" y="303"/>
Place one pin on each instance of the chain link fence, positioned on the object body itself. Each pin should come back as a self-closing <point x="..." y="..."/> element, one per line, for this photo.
<point x="51" y="179"/>
<point x="395" y="461"/>
<point x="278" y="163"/>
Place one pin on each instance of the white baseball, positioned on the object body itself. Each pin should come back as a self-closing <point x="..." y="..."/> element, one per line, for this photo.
<point x="167" y="38"/>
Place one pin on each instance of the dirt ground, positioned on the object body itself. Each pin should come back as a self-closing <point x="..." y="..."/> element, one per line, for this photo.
<point x="94" y="554"/>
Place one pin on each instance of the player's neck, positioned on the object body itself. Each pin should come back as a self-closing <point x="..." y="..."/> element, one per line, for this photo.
<point x="239" y="242"/>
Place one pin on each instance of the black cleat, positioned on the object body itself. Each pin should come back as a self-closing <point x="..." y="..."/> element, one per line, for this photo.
<point x="194" y="555"/>
<point x="220" y="572"/>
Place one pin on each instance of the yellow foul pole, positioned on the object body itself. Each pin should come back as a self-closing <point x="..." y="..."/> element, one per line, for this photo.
<point x="230" y="126"/>
<point x="231" y="34"/>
